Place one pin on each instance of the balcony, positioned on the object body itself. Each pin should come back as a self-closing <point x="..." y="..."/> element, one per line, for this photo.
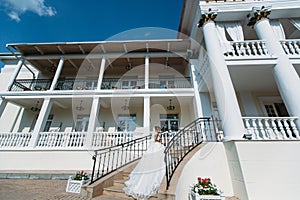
<point x="247" y="48"/>
<point x="170" y="83"/>
<point x="91" y="84"/>
<point x="272" y="128"/>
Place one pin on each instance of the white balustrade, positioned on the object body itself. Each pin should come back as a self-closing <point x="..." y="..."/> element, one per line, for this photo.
<point x="247" y="48"/>
<point x="107" y="139"/>
<point x="14" y="140"/>
<point x="291" y="47"/>
<point x="61" y="139"/>
<point x="272" y="128"/>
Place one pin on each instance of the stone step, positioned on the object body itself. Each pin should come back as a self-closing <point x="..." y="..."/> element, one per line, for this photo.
<point x="114" y="191"/>
<point x="119" y="183"/>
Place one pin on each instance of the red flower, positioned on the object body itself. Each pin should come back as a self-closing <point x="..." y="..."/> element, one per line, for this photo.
<point x="199" y="178"/>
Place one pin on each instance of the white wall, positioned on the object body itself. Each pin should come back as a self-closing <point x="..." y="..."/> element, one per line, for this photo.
<point x="209" y="162"/>
<point x="46" y="160"/>
<point x="270" y="169"/>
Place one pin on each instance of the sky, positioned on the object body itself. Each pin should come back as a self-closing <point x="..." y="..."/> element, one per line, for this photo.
<point x="35" y="21"/>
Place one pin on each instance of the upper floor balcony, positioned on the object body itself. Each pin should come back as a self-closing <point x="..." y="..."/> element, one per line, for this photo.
<point x="107" y="84"/>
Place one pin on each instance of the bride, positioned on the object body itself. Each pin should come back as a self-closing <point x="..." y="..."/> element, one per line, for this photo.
<point x="146" y="177"/>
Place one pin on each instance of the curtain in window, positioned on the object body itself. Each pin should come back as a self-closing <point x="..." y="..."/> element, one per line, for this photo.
<point x="296" y="23"/>
<point x="235" y="31"/>
<point x="225" y="44"/>
<point x="277" y="29"/>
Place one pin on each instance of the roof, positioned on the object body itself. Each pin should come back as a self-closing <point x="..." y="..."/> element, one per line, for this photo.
<point x="46" y="56"/>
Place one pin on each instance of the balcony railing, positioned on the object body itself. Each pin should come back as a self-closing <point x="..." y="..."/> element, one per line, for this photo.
<point x="177" y="82"/>
<point x="31" y="84"/>
<point x="272" y="128"/>
<point x="61" y="140"/>
<point x="291" y="47"/>
<point x="118" y="83"/>
<point x="247" y="48"/>
<point x="14" y="140"/>
<point x="77" y="84"/>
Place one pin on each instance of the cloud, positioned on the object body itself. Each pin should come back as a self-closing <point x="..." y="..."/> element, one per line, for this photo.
<point x="15" y="8"/>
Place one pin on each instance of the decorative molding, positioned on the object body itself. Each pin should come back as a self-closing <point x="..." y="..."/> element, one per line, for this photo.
<point x="207" y="16"/>
<point x="257" y="14"/>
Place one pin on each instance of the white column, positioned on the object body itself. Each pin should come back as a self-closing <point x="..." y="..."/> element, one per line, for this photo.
<point x="147" y="114"/>
<point x="197" y="100"/>
<point x="15" y="74"/>
<point x="3" y="104"/>
<point x="101" y="73"/>
<point x="57" y="73"/>
<point x="147" y="72"/>
<point x="92" y="121"/>
<point x="230" y="114"/>
<point x="285" y="75"/>
<point x="41" y="121"/>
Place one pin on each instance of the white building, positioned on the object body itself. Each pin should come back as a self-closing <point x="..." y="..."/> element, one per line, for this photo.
<point x="237" y="61"/>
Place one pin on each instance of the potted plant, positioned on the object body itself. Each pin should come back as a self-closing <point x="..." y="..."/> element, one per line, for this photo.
<point x="204" y="189"/>
<point x="75" y="182"/>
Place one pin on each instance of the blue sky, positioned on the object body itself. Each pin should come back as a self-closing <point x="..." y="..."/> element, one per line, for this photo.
<point x="33" y="21"/>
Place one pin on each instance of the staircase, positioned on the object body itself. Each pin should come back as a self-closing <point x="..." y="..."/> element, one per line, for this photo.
<point x="115" y="192"/>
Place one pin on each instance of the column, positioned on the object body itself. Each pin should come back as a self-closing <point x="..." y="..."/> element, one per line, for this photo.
<point x="92" y="121"/>
<point x="224" y="92"/>
<point x="15" y="74"/>
<point x="41" y="121"/>
<point x="101" y="73"/>
<point x="285" y="75"/>
<point x="197" y="100"/>
<point x="147" y="72"/>
<point x="147" y="114"/>
<point x="57" y="73"/>
<point x="3" y="104"/>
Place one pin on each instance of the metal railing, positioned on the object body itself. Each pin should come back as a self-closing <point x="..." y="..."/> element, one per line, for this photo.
<point x="176" y="82"/>
<point x="122" y="83"/>
<point x="76" y="84"/>
<point x="184" y="141"/>
<point x="110" y="159"/>
<point x="30" y="85"/>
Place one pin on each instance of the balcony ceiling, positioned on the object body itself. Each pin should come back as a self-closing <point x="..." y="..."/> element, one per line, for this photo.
<point x="45" y="56"/>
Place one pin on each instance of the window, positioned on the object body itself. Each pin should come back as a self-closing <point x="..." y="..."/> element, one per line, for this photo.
<point x="169" y="122"/>
<point x="126" y="122"/>
<point x="48" y="123"/>
<point x="82" y="123"/>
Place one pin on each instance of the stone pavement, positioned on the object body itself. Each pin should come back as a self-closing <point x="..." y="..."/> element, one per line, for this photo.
<point x="30" y="189"/>
<point x="36" y="189"/>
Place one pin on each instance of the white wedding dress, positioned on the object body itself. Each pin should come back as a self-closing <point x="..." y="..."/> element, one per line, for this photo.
<point x="146" y="177"/>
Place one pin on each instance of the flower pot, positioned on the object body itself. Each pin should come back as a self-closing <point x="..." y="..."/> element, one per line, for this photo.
<point x="74" y="186"/>
<point x="195" y="196"/>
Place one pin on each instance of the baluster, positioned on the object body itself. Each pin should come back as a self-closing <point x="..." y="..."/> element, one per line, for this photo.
<point x="243" y="51"/>
<point x="275" y="130"/>
<point x="291" y="48"/>
<point x="296" y="47"/>
<point x="269" y="131"/>
<point x="247" y="49"/>
<point x="262" y="129"/>
<point x="259" y="48"/>
<point x="294" y="128"/>
<point x="285" y="47"/>
<point x="248" y="127"/>
<point x="264" y="48"/>
<point x="253" y="48"/>
<point x="288" y="129"/>
<point x="255" y="129"/>
<point x="281" y="129"/>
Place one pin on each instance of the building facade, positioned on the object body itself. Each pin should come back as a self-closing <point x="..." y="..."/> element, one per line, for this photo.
<point x="237" y="62"/>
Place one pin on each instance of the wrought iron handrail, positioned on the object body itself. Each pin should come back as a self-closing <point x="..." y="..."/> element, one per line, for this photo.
<point x="30" y="84"/>
<point x="184" y="141"/>
<point x="108" y="160"/>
